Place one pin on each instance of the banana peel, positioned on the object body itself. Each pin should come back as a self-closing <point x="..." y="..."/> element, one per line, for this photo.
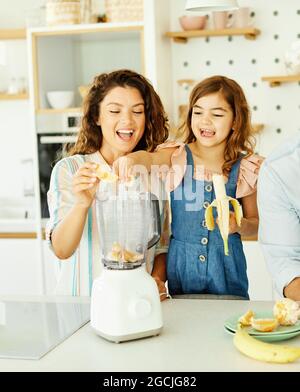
<point x="221" y="203"/>
<point x="262" y="351"/>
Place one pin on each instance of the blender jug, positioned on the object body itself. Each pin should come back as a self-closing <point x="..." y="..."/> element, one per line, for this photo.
<point x="125" y="301"/>
<point x="128" y="225"/>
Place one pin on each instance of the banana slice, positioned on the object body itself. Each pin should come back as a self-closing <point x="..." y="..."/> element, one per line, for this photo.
<point x="132" y="257"/>
<point x="105" y="175"/>
<point x="117" y="253"/>
<point x="264" y="325"/>
<point x="114" y="256"/>
<point x="246" y="319"/>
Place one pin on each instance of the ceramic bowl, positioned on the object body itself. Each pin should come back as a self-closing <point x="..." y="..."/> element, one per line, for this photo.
<point x="192" y="22"/>
<point x="60" y="99"/>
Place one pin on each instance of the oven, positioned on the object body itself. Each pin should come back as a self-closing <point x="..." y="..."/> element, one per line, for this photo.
<point x="51" y="148"/>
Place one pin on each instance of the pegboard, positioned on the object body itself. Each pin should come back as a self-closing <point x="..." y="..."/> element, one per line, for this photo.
<point x="246" y="61"/>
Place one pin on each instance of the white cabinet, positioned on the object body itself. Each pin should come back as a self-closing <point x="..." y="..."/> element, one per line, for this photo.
<point x="51" y="267"/>
<point x="66" y="57"/>
<point x="72" y="57"/>
<point x="260" y="282"/>
<point x="19" y="267"/>
<point x="22" y="269"/>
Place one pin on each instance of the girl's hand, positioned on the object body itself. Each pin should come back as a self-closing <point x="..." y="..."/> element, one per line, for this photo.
<point x="233" y="226"/>
<point x="123" y="167"/>
<point x="85" y="183"/>
<point x="161" y="288"/>
<point x="132" y="165"/>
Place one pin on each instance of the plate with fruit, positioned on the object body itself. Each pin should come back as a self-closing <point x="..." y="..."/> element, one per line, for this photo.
<point x="281" y="323"/>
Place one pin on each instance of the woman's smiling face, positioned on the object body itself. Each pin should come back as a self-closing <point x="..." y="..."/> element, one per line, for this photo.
<point x="122" y="119"/>
<point x="212" y="119"/>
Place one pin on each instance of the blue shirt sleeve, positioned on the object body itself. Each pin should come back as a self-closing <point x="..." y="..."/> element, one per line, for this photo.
<point x="279" y="224"/>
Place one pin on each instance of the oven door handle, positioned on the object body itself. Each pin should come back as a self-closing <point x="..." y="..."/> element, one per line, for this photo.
<point x="57" y="139"/>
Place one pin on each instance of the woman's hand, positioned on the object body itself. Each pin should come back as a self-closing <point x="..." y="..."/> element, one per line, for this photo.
<point x="85" y="183"/>
<point x="161" y="288"/>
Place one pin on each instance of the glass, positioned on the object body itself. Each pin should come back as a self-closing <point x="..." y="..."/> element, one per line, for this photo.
<point x="128" y="225"/>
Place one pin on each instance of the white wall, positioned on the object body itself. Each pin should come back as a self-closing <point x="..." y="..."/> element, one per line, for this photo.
<point x="251" y="61"/>
<point x="16" y="145"/>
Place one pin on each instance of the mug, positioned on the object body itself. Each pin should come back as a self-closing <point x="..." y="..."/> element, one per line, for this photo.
<point x="241" y="17"/>
<point x="221" y="20"/>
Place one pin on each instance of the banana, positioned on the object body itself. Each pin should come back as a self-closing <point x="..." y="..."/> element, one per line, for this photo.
<point x="105" y="175"/>
<point x="222" y="204"/>
<point x="262" y="351"/>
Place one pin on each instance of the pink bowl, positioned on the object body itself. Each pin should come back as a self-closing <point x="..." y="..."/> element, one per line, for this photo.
<point x="192" y="22"/>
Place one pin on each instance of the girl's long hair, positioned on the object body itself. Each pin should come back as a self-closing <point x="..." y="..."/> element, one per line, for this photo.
<point x="240" y="139"/>
<point x="156" y="125"/>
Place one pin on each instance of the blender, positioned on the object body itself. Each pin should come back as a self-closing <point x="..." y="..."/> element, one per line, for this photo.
<point x="125" y="302"/>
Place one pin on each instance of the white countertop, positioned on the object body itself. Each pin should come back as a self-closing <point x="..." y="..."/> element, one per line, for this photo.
<point x="193" y="339"/>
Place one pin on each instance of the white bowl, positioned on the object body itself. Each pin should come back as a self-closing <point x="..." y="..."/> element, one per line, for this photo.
<point x="60" y="99"/>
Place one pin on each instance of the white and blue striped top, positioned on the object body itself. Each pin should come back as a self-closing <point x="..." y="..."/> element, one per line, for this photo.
<point x="76" y="274"/>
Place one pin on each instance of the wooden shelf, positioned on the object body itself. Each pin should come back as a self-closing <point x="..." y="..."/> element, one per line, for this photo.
<point x="11" y="97"/>
<point x="21" y="235"/>
<point x="12" y="33"/>
<point x="88" y="28"/>
<point x="53" y="111"/>
<point x="275" y="81"/>
<point x="18" y="235"/>
<point x="183" y="36"/>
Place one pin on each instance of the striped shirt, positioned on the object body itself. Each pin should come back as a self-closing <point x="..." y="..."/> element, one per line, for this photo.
<point x="76" y="274"/>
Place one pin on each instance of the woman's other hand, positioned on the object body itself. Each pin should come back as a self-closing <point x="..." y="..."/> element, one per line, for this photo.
<point x="161" y="288"/>
<point x="85" y="183"/>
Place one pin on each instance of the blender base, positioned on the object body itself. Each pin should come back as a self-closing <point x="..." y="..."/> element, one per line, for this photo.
<point x="125" y="338"/>
<point x="125" y="305"/>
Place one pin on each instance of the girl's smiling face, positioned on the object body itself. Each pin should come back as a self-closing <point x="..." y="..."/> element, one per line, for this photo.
<point x="212" y="120"/>
<point x="122" y="120"/>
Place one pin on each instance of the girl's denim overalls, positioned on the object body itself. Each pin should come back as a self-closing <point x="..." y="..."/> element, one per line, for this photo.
<point x="196" y="261"/>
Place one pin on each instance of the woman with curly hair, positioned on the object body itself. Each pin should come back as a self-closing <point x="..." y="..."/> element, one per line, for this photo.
<point x="121" y="114"/>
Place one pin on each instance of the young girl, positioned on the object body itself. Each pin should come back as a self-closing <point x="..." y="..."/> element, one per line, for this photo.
<point x="218" y="141"/>
<point x="121" y="113"/>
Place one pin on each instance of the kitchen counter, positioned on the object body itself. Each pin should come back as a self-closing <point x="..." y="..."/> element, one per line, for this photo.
<point x="193" y="339"/>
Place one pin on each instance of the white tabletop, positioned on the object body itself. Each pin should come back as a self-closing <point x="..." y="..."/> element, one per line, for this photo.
<point x="193" y="339"/>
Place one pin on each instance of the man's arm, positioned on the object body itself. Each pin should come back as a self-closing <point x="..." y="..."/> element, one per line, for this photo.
<point x="292" y="290"/>
<point x="279" y="229"/>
